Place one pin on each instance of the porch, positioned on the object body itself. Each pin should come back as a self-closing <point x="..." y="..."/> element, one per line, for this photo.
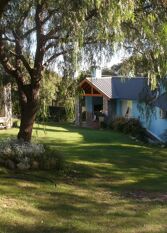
<point x="94" y="111"/>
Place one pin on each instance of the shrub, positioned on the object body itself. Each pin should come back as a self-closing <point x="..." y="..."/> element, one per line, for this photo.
<point x="18" y="149"/>
<point x="118" y="123"/>
<point x="129" y="126"/>
<point x="132" y="126"/>
<point x="16" y="154"/>
<point x="135" y="128"/>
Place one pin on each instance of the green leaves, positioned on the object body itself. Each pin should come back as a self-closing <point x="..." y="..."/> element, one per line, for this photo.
<point x="146" y="35"/>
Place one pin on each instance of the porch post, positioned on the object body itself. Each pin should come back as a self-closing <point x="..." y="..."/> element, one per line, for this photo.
<point x="89" y="108"/>
<point x="77" y="111"/>
<point x="105" y="106"/>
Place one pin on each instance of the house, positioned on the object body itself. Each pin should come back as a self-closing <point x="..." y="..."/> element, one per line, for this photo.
<point x="5" y="106"/>
<point x="107" y="97"/>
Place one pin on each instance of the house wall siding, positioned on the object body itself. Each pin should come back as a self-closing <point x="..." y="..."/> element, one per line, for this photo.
<point x="157" y="125"/>
<point x="118" y="108"/>
<point x="152" y="122"/>
<point x="111" y="109"/>
<point x="122" y="107"/>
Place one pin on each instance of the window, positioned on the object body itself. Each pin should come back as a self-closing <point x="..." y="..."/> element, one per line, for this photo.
<point x="127" y="108"/>
<point x="163" y="114"/>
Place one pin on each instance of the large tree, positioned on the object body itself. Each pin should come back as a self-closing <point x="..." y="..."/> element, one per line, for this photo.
<point x="34" y="33"/>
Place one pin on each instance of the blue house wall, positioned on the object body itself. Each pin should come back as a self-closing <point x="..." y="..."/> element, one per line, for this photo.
<point x="118" y="107"/>
<point x="89" y="103"/>
<point x="152" y="122"/>
<point x="157" y="125"/>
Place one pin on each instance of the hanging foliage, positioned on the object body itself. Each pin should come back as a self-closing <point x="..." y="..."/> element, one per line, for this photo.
<point x="36" y="34"/>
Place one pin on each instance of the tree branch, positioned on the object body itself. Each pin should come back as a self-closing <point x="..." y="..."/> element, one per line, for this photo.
<point x="54" y="56"/>
<point x="42" y="22"/>
<point x="24" y="61"/>
<point x="132" y="27"/>
<point x="19" y="55"/>
<point x="6" y="38"/>
<point x="5" y="61"/>
<point x="40" y="46"/>
<point x="134" y="48"/>
<point x="51" y="34"/>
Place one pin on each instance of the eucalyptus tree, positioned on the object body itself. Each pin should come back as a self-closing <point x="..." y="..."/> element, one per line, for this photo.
<point x="37" y="33"/>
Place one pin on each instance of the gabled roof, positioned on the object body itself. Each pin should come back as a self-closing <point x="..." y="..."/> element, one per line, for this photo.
<point x="119" y="87"/>
<point x="103" y="85"/>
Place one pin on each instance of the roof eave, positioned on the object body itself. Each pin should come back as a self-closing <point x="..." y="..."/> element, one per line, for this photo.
<point x="90" y="83"/>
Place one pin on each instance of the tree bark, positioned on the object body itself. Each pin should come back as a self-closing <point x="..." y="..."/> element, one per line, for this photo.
<point x="29" y="105"/>
<point x="28" y="113"/>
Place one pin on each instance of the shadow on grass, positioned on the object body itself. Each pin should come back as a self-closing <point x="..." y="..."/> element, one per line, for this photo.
<point x="71" y="213"/>
<point x="53" y="210"/>
<point x="102" y="164"/>
<point x="117" y="166"/>
<point x="36" y="229"/>
<point x="112" y="158"/>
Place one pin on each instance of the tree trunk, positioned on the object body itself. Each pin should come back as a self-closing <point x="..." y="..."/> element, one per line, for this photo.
<point x="28" y="113"/>
<point x="28" y="107"/>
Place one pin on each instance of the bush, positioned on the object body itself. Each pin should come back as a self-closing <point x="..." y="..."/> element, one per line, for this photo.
<point x="130" y="126"/>
<point x="135" y="128"/>
<point x="15" y="154"/>
<point x="118" y="124"/>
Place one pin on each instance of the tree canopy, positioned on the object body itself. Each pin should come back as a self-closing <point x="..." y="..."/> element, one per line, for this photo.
<point x="146" y="39"/>
<point x="34" y="34"/>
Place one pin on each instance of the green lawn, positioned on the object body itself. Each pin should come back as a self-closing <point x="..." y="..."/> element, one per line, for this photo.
<point x="111" y="184"/>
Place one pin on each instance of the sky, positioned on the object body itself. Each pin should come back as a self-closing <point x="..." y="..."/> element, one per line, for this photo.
<point x="118" y="57"/>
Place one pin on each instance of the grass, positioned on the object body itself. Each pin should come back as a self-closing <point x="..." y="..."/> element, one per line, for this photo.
<point x="112" y="184"/>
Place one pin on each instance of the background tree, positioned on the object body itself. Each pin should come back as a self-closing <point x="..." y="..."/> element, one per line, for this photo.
<point x="34" y="33"/>
<point x="49" y="87"/>
<point x="146" y="40"/>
